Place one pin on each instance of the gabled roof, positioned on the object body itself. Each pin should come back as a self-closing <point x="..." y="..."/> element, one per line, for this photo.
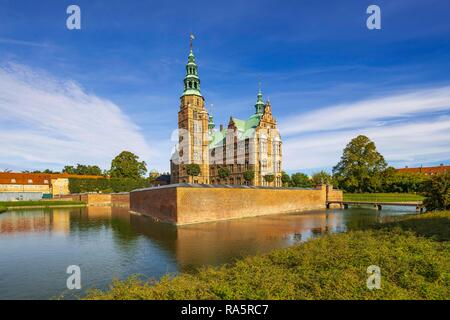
<point x="245" y="128"/>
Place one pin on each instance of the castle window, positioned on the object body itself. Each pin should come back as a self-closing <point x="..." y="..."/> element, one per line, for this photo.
<point x="190" y="85"/>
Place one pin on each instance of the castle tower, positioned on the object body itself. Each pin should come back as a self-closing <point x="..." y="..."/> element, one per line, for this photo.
<point x="259" y="106"/>
<point x="193" y="124"/>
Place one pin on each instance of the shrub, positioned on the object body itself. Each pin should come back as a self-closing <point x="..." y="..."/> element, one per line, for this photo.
<point x="437" y="192"/>
<point x="269" y="177"/>
<point x="193" y="169"/>
<point x="224" y="172"/>
<point x="106" y="185"/>
<point x="249" y="175"/>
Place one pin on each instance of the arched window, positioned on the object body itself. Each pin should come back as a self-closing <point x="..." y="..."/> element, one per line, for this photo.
<point x="190" y="85"/>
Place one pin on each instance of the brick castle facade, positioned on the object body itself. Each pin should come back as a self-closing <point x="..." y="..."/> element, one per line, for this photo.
<point x="247" y="152"/>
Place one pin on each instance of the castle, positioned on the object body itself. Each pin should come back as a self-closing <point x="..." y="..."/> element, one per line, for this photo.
<point x="247" y="152"/>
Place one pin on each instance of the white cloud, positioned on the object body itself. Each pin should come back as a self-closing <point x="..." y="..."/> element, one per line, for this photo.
<point x="47" y="122"/>
<point x="403" y="127"/>
<point x="369" y="112"/>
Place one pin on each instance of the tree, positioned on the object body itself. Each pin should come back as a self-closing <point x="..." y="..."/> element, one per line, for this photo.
<point x="82" y="169"/>
<point x="249" y="175"/>
<point x="193" y="169"/>
<point x="127" y="165"/>
<point x="224" y="172"/>
<point x="285" y="178"/>
<point x="300" y="180"/>
<point x="408" y="182"/>
<point x="360" y="167"/>
<point x="321" y="177"/>
<point x="269" y="178"/>
<point x="437" y="192"/>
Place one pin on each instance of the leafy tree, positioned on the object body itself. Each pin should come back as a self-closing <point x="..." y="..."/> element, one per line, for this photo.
<point x="361" y="166"/>
<point x="192" y="169"/>
<point x="69" y="169"/>
<point x="437" y="192"/>
<point x="249" y="175"/>
<point x="127" y="165"/>
<point x="321" y="177"/>
<point x="410" y="182"/>
<point x="82" y="169"/>
<point x="285" y="178"/>
<point x="224" y="172"/>
<point x="269" y="178"/>
<point x="47" y="171"/>
<point x="300" y="180"/>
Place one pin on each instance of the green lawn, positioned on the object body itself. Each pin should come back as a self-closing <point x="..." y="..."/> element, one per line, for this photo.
<point x="413" y="253"/>
<point x="11" y="204"/>
<point x="383" y="197"/>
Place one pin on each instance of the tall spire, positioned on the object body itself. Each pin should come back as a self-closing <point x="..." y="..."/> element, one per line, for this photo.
<point x="259" y="106"/>
<point x="191" y="80"/>
<point x="211" y="124"/>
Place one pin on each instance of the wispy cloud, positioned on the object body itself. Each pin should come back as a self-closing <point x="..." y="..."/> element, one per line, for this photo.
<point x="45" y="121"/>
<point x="369" y="112"/>
<point x="26" y="43"/>
<point x="408" y="128"/>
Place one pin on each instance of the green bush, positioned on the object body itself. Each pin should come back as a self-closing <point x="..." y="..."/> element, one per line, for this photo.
<point x="106" y="185"/>
<point x="437" y="192"/>
<point x="2" y="209"/>
<point x="249" y="175"/>
<point x="269" y="177"/>
<point x="193" y="169"/>
<point x="35" y="203"/>
<point x="224" y="172"/>
<point x="414" y="265"/>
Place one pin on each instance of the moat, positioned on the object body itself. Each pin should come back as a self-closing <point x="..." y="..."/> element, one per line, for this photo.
<point x="36" y="246"/>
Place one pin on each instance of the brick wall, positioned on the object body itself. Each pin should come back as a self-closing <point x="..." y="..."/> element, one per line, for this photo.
<point x="120" y="199"/>
<point x="100" y="199"/>
<point x="181" y="204"/>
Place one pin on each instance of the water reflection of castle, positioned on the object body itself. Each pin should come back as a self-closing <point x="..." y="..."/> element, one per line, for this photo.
<point x="191" y="245"/>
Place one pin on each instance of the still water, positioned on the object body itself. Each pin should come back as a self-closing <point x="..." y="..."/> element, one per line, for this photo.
<point x="37" y="246"/>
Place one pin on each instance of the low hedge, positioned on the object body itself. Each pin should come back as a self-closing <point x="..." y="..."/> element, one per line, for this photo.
<point x="106" y="185"/>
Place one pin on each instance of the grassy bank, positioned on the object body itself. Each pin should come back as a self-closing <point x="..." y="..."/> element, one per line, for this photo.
<point x="2" y="209"/>
<point x="383" y="197"/>
<point x="43" y="204"/>
<point x="413" y="254"/>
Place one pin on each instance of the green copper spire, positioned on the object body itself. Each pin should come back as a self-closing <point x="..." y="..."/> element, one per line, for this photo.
<point x="259" y="106"/>
<point x="211" y="124"/>
<point x="191" y="80"/>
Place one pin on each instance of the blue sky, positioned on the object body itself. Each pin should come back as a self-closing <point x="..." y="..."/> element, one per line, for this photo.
<point x="81" y="96"/>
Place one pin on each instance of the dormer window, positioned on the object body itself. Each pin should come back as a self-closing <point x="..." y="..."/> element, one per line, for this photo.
<point x="30" y="181"/>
